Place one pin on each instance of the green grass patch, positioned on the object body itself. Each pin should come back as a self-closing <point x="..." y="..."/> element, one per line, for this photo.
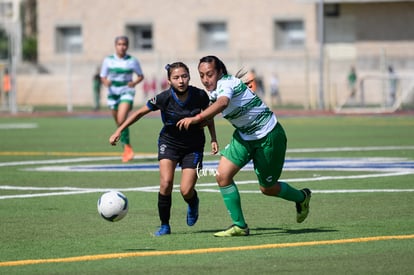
<point x="58" y="227"/>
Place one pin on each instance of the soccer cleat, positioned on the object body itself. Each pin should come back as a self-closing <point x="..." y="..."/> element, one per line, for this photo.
<point x="192" y="214"/>
<point x="233" y="231"/>
<point x="164" y="230"/>
<point x="128" y="153"/>
<point x="302" y="208"/>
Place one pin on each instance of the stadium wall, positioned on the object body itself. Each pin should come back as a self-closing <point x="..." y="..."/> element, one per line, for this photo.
<point x="368" y="36"/>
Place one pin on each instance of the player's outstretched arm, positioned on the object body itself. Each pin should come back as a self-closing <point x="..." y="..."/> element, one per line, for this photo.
<point x="134" y="117"/>
<point x="209" y="113"/>
<point x="212" y="130"/>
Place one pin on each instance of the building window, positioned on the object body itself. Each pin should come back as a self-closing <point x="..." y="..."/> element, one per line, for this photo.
<point x="213" y="36"/>
<point x="289" y="34"/>
<point x="6" y="10"/>
<point x="140" y="37"/>
<point x="332" y="10"/>
<point x="69" y="39"/>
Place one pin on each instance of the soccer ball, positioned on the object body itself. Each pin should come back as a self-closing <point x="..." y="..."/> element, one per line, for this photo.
<point x="113" y="206"/>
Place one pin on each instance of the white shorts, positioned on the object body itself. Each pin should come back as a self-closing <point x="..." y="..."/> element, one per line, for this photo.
<point x="113" y="100"/>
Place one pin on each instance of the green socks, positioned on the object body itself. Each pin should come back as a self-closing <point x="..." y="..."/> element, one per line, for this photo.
<point x="289" y="193"/>
<point x="231" y="199"/>
<point x="125" y="136"/>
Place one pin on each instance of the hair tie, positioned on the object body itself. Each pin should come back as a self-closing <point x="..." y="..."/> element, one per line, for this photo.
<point x="167" y="67"/>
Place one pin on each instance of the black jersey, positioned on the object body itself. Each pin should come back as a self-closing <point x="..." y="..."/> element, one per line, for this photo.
<point x="172" y="110"/>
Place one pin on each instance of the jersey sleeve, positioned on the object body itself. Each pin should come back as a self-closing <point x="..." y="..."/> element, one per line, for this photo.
<point x="104" y="69"/>
<point x="157" y="102"/>
<point x="152" y="104"/>
<point x="137" y="67"/>
<point x="224" y="88"/>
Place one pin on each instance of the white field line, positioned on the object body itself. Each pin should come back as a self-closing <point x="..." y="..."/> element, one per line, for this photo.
<point x="200" y="187"/>
<point x="7" y="126"/>
<point x="68" y="160"/>
<point x="350" y="149"/>
<point x="337" y="191"/>
<point x="206" y="190"/>
<point x="392" y="174"/>
<point x="50" y="194"/>
<point x="55" y="161"/>
<point x="300" y="150"/>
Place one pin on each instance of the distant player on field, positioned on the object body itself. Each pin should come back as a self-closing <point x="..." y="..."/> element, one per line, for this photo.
<point x="177" y="147"/>
<point x="117" y="73"/>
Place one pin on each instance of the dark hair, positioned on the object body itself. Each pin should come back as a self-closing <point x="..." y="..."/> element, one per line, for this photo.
<point x="175" y="65"/>
<point x="218" y="64"/>
<point x="122" y="37"/>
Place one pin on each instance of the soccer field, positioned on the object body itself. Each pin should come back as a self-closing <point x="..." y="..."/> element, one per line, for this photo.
<point x="53" y="170"/>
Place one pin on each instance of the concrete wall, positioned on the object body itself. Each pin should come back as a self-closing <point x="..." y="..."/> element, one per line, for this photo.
<point x="377" y="29"/>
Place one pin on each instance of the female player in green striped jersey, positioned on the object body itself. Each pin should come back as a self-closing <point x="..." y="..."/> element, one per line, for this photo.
<point x="117" y="73"/>
<point x="258" y="137"/>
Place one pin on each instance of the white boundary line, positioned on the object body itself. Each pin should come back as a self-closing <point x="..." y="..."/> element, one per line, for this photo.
<point x="200" y="187"/>
<point x="61" y="191"/>
<point x="7" y="126"/>
<point x="350" y="149"/>
<point x="300" y="150"/>
<point x="206" y="190"/>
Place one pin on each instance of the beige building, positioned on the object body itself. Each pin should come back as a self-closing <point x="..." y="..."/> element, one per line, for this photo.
<point x="272" y="36"/>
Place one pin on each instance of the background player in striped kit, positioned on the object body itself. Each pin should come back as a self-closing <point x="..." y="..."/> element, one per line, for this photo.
<point x="117" y="74"/>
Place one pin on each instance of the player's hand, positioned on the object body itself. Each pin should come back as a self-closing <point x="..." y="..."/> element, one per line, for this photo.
<point x="114" y="139"/>
<point x="214" y="147"/>
<point x="106" y="82"/>
<point x="186" y="122"/>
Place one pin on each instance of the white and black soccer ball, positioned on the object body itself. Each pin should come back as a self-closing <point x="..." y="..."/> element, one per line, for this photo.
<point x="113" y="206"/>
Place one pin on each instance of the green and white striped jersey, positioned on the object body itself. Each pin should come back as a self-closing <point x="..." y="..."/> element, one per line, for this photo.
<point x="246" y="111"/>
<point x="120" y="71"/>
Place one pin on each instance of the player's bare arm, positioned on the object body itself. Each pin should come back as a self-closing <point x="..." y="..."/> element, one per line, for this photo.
<point x="134" y="117"/>
<point x="132" y="84"/>
<point x="106" y="82"/>
<point x="210" y="112"/>
<point x="212" y="130"/>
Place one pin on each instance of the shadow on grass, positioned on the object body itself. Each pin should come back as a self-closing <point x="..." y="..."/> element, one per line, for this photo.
<point x="278" y="231"/>
<point x="139" y="249"/>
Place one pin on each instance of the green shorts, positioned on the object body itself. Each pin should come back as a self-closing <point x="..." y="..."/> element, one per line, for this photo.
<point x="267" y="154"/>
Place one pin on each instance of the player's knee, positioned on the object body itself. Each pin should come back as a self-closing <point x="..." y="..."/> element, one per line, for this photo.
<point x="219" y="178"/>
<point x="187" y="193"/>
<point x="265" y="191"/>
<point x="270" y="191"/>
<point x="166" y="187"/>
<point x="222" y="180"/>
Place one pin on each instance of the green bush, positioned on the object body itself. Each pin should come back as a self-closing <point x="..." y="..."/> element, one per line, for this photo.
<point x="30" y="49"/>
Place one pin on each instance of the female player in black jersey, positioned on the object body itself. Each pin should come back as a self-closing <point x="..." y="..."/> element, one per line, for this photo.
<point x="175" y="146"/>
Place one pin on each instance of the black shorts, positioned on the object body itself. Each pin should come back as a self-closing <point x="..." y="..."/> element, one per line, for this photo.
<point x="185" y="158"/>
